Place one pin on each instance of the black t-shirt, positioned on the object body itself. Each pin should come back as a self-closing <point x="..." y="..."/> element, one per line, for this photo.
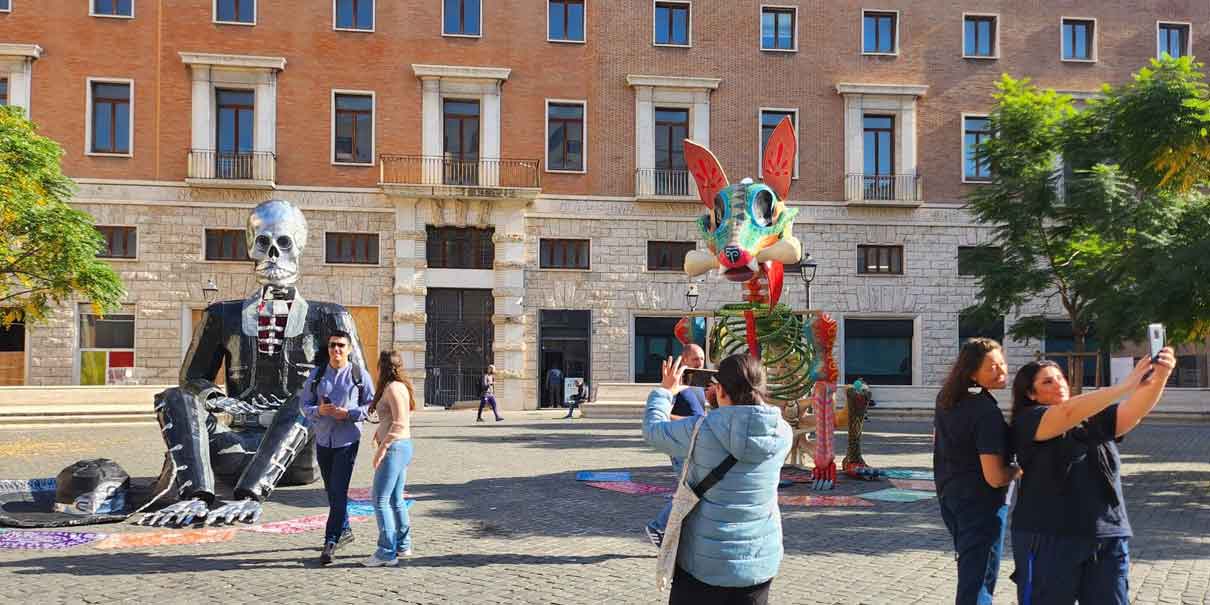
<point x="972" y="427"/>
<point x="1072" y="484"/>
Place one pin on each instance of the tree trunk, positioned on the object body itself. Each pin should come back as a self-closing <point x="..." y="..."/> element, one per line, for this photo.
<point x="1076" y="367"/>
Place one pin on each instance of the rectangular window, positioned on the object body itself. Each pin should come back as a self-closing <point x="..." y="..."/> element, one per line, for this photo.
<point x="671" y="130"/>
<point x="1078" y="40"/>
<point x="667" y="256"/>
<point x="879" y="33"/>
<point x="106" y="347"/>
<point x="235" y="128"/>
<point x="969" y="257"/>
<point x="672" y="23"/>
<point x="969" y="327"/>
<point x="235" y="11"/>
<point x="1059" y="344"/>
<point x="565" y="136"/>
<point x="226" y="244"/>
<point x="459" y="247"/>
<point x="354" y="137"/>
<point x="351" y="248"/>
<point x="3" y="91"/>
<point x="120" y="242"/>
<point x="1173" y="40"/>
<point x="461" y="144"/>
<point x="878" y="157"/>
<point x="113" y="8"/>
<point x="563" y="254"/>
<point x="565" y="20"/>
<point x="975" y="131"/>
<point x="769" y="119"/>
<point x="110" y="117"/>
<point x="654" y="341"/>
<point x="461" y="17"/>
<point x="979" y="36"/>
<point x="885" y="260"/>
<point x="777" y="28"/>
<point x="878" y="351"/>
<point x="355" y="14"/>
<point x="5" y="6"/>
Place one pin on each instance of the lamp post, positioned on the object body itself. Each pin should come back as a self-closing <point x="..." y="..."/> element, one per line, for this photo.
<point x="210" y="291"/>
<point x="806" y="270"/>
<point x="691" y="297"/>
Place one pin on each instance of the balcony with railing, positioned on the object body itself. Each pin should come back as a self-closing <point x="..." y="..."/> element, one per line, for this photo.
<point x="658" y="184"/>
<point x="438" y="176"/>
<point x="884" y="189"/>
<point x="239" y="169"/>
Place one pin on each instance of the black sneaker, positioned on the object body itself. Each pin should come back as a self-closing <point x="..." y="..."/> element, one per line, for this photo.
<point x="325" y="558"/>
<point x="346" y="537"/>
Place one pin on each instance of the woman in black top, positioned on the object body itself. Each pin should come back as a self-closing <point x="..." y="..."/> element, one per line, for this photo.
<point x="970" y="464"/>
<point x="1070" y="530"/>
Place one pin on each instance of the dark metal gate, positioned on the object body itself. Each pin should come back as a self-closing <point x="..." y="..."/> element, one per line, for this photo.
<point x="458" y="336"/>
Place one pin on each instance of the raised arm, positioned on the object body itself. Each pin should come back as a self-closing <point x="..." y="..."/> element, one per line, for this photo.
<point x="1136" y="408"/>
<point x="1060" y="418"/>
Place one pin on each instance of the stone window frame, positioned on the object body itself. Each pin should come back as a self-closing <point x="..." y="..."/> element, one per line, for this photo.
<point x="777" y="8"/>
<point x="1094" y="53"/>
<point x="567" y="40"/>
<point x="457" y="35"/>
<point x="917" y="340"/>
<point x="202" y="249"/>
<point x="898" y="28"/>
<point x="760" y="126"/>
<point x="457" y="82"/>
<point x="373" y="127"/>
<point x="214" y="14"/>
<point x="692" y="93"/>
<point x="17" y="64"/>
<point x="372" y="234"/>
<point x="137" y="247"/>
<point x="92" y="6"/>
<point x="995" y="17"/>
<point x="688" y="4"/>
<point x="77" y="361"/>
<point x="88" y="111"/>
<point x="360" y="30"/>
<point x="583" y="103"/>
<point x="962" y="127"/>
<point x="1188" y="50"/>
<point x="898" y="100"/>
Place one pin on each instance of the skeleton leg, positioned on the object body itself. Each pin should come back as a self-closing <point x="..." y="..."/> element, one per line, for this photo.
<point x="853" y="464"/>
<point x="184" y="422"/>
<point x="284" y="440"/>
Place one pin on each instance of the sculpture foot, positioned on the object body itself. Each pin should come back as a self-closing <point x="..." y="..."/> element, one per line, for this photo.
<point x="860" y="470"/>
<point x="180" y="514"/>
<point x="246" y="511"/>
<point x="824" y="476"/>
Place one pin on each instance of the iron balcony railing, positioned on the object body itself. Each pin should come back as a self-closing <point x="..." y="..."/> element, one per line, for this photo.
<point x="884" y="187"/>
<point x="438" y="170"/>
<point x="232" y="165"/>
<point x="653" y="182"/>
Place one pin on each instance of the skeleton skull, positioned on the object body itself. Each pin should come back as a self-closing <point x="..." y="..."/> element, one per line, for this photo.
<point x="277" y="234"/>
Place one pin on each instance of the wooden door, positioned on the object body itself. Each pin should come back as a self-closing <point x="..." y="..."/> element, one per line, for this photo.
<point x="12" y="353"/>
<point x="196" y="315"/>
<point x="366" y="320"/>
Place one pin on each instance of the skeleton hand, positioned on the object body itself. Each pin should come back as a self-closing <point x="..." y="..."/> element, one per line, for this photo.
<point x="231" y="406"/>
<point x="265" y="404"/>
<point x="176" y="515"/>
<point x="247" y="510"/>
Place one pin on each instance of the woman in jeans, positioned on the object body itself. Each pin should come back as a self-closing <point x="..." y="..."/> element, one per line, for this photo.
<point x="730" y="545"/>
<point x="970" y="460"/>
<point x="394" y="402"/>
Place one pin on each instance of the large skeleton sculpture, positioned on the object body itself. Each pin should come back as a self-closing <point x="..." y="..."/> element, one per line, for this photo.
<point x="253" y="432"/>
<point x="748" y="231"/>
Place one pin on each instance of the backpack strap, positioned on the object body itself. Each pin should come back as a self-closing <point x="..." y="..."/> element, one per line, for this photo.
<point x="715" y="476"/>
<point x="323" y="368"/>
<point x="357" y="380"/>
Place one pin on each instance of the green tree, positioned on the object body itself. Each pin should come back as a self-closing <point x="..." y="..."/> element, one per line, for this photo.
<point x="1098" y="210"/>
<point x="48" y="250"/>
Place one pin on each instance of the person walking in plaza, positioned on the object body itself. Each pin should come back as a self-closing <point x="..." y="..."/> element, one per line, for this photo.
<point x="394" y="402"/>
<point x="335" y="400"/>
<point x="731" y="542"/>
<point x="579" y="398"/>
<point x="487" y="393"/>
<point x="970" y="462"/>
<point x="1070" y="529"/>
<point x="688" y="403"/>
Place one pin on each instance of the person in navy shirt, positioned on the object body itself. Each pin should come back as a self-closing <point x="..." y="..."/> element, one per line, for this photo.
<point x="689" y="402"/>
<point x="1070" y="530"/>
<point x="335" y="407"/>
<point x="970" y="454"/>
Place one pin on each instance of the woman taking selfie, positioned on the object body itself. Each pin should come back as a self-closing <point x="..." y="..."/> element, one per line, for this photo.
<point x="730" y="543"/>
<point x="970" y="461"/>
<point x="1070" y="530"/>
<point x="393" y="403"/>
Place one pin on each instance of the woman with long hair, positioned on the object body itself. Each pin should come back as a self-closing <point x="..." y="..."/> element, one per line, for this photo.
<point x="394" y="400"/>
<point x="970" y="461"/>
<point x="1070" y="529"/>
<point x="730" y="544"/>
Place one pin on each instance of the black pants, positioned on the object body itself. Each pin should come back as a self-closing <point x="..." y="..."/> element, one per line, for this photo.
<point x="688" y="590"/>
<point x="336" y="467"/>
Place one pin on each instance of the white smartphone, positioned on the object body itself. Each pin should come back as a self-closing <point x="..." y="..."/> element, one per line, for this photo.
<point x="1155" y="334"/>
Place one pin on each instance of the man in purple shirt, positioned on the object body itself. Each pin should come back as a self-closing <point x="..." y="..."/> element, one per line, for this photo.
<point x="335" y="407"/>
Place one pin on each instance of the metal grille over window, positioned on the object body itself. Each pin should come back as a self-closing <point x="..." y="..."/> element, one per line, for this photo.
<point x="459" y="247"/>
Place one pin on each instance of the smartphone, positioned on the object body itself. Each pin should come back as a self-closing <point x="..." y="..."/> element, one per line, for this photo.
<point x="1155" y="334"/>
<point x="695" y="377"/>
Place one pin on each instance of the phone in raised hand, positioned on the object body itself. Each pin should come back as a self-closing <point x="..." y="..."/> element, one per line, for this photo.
<point x="1156" y="337"/>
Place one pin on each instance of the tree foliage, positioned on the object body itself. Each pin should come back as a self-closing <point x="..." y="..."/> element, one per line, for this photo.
<point x="47" y="248"/>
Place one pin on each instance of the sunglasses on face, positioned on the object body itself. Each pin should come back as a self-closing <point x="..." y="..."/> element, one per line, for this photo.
<point x="337" y="345"/>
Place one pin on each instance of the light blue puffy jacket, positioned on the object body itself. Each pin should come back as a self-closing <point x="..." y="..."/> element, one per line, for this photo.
<point x="733" y="536"/>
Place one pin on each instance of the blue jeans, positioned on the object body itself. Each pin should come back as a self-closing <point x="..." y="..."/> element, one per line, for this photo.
<point x="1058" y="570"/>
<point x="336" y="468"/>
<point x="661" y="520"/>
<point x="394" y="527"/>
<point x="978" y="532"/>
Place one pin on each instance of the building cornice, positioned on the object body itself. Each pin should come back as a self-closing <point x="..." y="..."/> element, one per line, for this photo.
<point x="234" y="61"/>
<point x="32" y="51"/>
<point x="673" y="81"/>
<point x="461" y="72"/>
<point x="912" y="90"/>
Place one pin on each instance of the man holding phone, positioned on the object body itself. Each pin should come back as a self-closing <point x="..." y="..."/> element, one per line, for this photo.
<point x="689" y="402"/>
<point x="335" y="400"/>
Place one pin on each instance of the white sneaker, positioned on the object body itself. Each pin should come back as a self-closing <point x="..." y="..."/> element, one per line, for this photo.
<point x="405" y="553"/>
<point x="374" y="561"/>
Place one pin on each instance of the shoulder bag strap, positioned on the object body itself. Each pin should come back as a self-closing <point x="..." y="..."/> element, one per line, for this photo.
<point x="715" y="476"/>
<point x="697" y="426"/>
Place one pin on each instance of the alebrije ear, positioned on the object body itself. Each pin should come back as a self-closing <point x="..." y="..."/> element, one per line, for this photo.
<point x="706" y="171"/>
<point x="780" y="153"/>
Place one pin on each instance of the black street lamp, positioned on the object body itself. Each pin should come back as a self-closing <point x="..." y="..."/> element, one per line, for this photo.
<point x="806" y="270"/>
<point x="691" y="296"/>
<point x="210" y="291"/>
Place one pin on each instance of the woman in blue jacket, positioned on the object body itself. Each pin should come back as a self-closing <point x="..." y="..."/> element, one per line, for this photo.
<point x="730" y="546"/>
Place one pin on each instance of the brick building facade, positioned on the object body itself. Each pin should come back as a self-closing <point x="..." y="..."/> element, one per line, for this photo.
<point x="492" y="181"/>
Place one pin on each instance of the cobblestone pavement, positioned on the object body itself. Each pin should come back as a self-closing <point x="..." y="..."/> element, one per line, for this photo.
<point x="499" y="518"/>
